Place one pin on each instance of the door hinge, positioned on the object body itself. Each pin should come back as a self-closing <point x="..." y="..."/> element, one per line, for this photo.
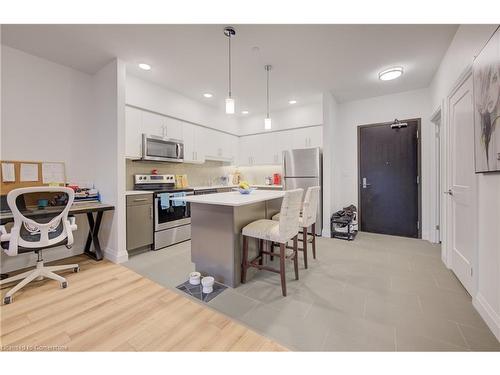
<point x="418" y="180"/>
<point x="418" y="225"/>
<point x="437" y="227"/>
<point x="417" y="134"/>
<point x="471" y="272"/>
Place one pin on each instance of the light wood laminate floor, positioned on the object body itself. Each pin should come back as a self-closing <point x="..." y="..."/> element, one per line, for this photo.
<point x="108" y="307"/>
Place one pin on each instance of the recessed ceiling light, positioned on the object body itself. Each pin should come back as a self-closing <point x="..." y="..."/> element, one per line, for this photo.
<point x="391" y="73"/>
<point x="207" y="95"/>
<point x="244" y="112"/>
<point x="292" y="102"/>
<point x="144" y="66"/>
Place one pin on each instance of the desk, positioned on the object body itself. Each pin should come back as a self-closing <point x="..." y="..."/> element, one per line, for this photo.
<point x="89" y="209"/>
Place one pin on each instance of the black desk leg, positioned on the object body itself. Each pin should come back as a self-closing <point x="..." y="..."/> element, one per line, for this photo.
<point x="92" y="237"/>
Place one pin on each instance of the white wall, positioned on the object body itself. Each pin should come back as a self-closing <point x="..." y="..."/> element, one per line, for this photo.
<point x="293" y="117"/>
<point x="54" y="113"/>
<point x="45" y="106"/>
<point x="156" y="98"/>
<point x="330" y="125"/>
<point x="405" y="105"/>
<point x="108" y="142"/>
<point x="466" y="44"/>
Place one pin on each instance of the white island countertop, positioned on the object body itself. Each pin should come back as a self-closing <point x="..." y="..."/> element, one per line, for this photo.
<point x="234" y="198"/>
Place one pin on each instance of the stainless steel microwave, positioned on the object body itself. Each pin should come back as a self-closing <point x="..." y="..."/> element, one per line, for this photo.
<point x="162" y="149"/>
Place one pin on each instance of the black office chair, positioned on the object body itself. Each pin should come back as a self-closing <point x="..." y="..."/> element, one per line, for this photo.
<point x="29" y="235"/>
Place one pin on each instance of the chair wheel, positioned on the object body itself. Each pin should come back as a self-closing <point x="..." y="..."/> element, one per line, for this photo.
<point x="7" y="300"/>
<point x="64" y="284"/>
<point x="76" y="269"/>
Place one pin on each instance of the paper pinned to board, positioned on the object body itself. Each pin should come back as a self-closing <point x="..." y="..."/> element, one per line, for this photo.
<point x="53" y="173"/>
<point x="29" y="172"/>
<point x="8" y="172"/>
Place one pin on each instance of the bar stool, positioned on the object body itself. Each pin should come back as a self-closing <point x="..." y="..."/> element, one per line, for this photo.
<point x="272" y="231"/>
<point x="307" y="219"/>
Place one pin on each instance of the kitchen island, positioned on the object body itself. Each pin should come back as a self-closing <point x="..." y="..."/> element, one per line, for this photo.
<point x="216" y="224"/>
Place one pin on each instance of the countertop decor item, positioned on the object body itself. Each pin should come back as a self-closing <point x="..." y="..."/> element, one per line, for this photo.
<point x="246" y="191"/>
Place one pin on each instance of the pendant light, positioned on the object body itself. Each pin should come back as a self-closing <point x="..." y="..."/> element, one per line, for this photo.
<point x="267" y="120"/>
<point x="229" y="32"/>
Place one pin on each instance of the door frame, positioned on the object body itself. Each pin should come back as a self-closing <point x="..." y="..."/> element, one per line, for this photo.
<point x="419" y="167"/>
<point x="447" y="217"/>
<point x="436" y="222"/>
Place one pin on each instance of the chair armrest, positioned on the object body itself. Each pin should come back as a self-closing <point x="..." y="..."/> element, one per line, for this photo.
<point x="4" y="236"/>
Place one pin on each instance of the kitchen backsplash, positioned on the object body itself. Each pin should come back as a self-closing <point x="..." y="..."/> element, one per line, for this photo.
<point x="204" y="174"/>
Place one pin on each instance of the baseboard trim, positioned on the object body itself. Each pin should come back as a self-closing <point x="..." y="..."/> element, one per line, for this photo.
<point x="488" y="314"/>
<point x="114" y="256"/>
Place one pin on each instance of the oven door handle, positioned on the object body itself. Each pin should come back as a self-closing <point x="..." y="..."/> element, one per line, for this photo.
<point x="157" y="201"/>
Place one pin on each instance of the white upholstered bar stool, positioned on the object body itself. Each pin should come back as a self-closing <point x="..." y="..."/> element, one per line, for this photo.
<point x="281" y="231"/>
<point x="34" y="235"/>
<point x="307" y="219"/>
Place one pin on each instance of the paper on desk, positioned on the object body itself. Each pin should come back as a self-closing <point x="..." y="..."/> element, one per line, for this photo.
<point x="29" y="172"/>
<point x="8" y="172"/>
<point x="53" y="173"/>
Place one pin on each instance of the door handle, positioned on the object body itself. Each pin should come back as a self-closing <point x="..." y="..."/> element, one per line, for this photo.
<point x="365" y="184"/>
<point x="449" y="192"/>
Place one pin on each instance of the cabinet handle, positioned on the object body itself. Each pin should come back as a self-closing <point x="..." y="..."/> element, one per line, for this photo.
<point x="151" y="212"/>
<point x="140" y="199"/>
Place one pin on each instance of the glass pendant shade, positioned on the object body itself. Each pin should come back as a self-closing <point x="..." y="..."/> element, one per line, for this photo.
<point x="267" y="123"/>
<point x="230" y="106"/>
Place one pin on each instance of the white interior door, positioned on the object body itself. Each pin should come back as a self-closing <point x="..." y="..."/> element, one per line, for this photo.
<point x="462" y="218"/>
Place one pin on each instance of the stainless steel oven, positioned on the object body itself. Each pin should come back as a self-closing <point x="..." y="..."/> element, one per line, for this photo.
<point x="162" y="149"/>
<point x="172" y="218"/>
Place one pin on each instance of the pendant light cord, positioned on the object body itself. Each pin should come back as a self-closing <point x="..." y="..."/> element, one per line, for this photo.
<point x="267" y="91"/>
<point x="229" y="37"/>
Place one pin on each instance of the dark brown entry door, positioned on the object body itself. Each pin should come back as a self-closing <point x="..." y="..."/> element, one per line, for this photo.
<point x="388" y="179"/>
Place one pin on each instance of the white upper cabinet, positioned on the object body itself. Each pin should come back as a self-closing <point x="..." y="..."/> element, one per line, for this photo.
<point x="220" y="146"/>
<point x="174" y="128"/>
<point x="307" y="137"/>
<point x="267" y="148"/>
<point x="133" y="133"/>
<point x="193" y="139"/>
<point x="201" y="143"/>
<point x="315" y="136"/>
<point x="153" y="124"/>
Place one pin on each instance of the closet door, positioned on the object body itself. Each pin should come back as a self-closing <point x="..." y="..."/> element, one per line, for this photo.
<point x="462" y="187"/>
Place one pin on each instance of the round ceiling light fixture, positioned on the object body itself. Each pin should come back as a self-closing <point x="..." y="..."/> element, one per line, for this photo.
<point x="207" y="95"/>
<point x="391" y="73"/>
<point x="292" y="102"/>
<point x="245" y="112"/>
<point x="144" y="66"/>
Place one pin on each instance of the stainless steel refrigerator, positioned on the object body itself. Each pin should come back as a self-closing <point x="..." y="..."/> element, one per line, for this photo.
<point x="303" y="168"/>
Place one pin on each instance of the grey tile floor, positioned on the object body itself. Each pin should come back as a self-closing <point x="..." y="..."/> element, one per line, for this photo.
<point x="377" y="293"/>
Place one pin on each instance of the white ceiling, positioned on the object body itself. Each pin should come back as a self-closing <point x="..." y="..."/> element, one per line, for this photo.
<point x="192" y="59"/>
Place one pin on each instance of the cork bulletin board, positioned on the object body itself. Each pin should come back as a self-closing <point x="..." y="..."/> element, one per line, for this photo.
<point x="39" y="173"/>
